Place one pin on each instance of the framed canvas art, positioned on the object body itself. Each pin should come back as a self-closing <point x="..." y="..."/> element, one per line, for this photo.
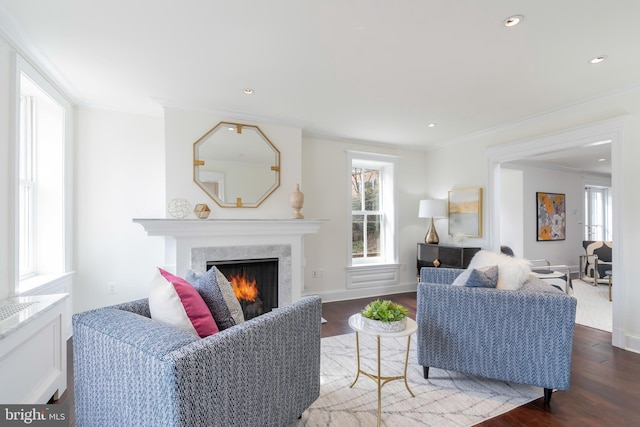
<point x="465" y="212"/>
<point x="552" y="219"/>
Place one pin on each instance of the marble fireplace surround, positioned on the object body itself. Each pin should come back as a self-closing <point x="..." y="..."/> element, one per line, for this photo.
<point x="200" y="256"/>
<point x="190" y="243"/>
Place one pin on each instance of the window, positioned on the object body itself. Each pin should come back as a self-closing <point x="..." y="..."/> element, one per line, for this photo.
<point x="597" y="213"/>
<point x="42" y="199"/>
<point x="366" y="214"/>
<point x="372" y="209"/>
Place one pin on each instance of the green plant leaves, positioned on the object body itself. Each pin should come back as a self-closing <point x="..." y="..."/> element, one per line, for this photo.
<point x="386" y="311"/>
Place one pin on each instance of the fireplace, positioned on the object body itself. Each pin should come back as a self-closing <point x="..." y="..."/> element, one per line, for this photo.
<point x="254" y="281"/>
<point x="190" y="243"/>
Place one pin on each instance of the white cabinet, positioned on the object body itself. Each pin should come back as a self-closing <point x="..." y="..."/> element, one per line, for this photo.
<point x="33" y="350"/>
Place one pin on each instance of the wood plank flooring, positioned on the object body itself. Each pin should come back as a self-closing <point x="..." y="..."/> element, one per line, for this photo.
<point x="605" y="381"/>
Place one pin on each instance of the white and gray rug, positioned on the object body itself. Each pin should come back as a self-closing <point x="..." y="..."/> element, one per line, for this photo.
<point x="594" y="308"/>
<point x="445" y="399"/>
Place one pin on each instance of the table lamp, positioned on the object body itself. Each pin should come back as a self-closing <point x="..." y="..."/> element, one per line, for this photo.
<point x="432" y="209"/>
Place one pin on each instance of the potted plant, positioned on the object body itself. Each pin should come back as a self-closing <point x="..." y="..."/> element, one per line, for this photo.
<point x="385" y="316"/>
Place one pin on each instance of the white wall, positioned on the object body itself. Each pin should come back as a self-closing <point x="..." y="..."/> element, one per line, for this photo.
<point x="512" y="210"/>
<point x="184" y="127"/>
<point x="536" y="179"/>
<point x="325" y="176"/>
<point x="120" y="175"/>
<point x="6" y="196"/>
<point x="130" y="166"/>
<point x="457" y="168"/>
<point x="628" y="195"/>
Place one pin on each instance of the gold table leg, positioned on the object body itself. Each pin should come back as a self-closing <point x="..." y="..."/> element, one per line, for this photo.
<point x="379" y="385"/>
<point x="357" y="357"/>
<point x="406" y="363"/>
<point x="379" y="379"/>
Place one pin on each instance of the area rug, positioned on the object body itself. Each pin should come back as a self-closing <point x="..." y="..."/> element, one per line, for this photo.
<point x="594" y="308"/>
<point x="445" y="399"/>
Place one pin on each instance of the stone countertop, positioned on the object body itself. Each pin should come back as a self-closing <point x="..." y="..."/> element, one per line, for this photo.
<point x="16" y="312"/>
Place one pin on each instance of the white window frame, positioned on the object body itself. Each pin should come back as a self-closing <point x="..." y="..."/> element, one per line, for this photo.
<point x="27" y="184"/>
<point x="383" y="270"/>
<point x="39" y="280"/>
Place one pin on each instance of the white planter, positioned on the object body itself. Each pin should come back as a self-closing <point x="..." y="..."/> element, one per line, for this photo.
<point x="379" y="326"/>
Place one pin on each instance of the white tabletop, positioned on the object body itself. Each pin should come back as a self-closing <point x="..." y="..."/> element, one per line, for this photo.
<point x="356" y="323"/>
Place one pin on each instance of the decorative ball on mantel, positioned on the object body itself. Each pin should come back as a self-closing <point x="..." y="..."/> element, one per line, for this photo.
<point x="179" y="208"/>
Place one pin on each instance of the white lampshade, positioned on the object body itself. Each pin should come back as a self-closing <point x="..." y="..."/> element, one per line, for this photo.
<point x="432" y="209"/>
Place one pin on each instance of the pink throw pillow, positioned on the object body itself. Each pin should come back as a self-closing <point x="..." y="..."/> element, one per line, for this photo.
<point x="174" y="302"/>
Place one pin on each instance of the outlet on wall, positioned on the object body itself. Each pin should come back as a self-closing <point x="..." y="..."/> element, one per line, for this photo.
<point x="111" y="287"/>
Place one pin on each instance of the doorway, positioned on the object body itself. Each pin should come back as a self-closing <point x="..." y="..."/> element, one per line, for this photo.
<point x="569" y="139"/>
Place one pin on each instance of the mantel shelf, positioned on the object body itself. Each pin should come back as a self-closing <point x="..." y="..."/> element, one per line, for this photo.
<point x="228" y="227"/>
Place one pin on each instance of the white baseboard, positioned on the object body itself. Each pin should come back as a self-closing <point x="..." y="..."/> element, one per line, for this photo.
<point x="632" y="343"/>
<point x="348" y="294"/>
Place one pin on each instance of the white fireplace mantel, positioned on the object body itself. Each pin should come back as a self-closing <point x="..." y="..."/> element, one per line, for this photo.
<point x="229" y="227"/>
<point x="183" y="235"/>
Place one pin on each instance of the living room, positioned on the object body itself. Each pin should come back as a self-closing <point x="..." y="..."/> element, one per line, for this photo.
<point x="128" y="165"/>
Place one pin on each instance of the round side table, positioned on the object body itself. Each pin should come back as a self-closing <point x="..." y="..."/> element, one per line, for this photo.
<point x="356" y="323"/>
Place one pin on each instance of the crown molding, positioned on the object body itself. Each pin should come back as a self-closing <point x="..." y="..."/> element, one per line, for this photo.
<point x="347" y="140"/>
<point x="229" y="114"/>
<point x="532" y="118"/>
<point x="15" y="36"/>
<point x="560" y="168"/>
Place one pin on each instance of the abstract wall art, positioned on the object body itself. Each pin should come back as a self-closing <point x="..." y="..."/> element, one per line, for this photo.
<point x="552" y="219"/>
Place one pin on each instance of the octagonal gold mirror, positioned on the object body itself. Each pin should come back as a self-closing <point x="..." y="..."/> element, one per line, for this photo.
<point x="236" y="165"/>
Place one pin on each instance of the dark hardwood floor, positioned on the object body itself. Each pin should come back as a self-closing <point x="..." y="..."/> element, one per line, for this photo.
<point x="605" y="381"/>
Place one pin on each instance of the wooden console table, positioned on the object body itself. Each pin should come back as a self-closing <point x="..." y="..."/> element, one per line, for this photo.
<point x="447" y="256"/>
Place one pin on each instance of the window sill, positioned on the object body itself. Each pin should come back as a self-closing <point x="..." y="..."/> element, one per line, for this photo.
<point x="42" y="283"/>
<point x="373" y="265"/>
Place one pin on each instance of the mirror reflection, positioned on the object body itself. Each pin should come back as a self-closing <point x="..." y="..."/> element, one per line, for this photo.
<point x="236" y="165"/>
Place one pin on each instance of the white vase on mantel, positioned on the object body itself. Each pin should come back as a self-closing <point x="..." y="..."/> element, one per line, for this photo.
<point x="297" y="200"/>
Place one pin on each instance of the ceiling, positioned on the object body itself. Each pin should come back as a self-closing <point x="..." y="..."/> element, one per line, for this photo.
<point x="369" y="70"/>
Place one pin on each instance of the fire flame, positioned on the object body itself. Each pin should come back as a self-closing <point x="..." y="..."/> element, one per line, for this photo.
<point x="244" y="287"/>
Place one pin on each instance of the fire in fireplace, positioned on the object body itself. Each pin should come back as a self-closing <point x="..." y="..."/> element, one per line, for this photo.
<point x="254" y="281"/>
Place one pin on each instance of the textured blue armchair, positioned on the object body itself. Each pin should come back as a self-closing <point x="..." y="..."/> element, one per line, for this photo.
<point x="523" y="336"/>
<point x="132" y="371"/>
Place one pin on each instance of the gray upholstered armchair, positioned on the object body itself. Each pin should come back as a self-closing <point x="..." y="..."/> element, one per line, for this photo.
<point x="132" y="371"/>
<point x="523" y="336"/>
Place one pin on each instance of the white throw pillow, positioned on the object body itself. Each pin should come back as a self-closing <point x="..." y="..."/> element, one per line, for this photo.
<point x="512" y="271"/>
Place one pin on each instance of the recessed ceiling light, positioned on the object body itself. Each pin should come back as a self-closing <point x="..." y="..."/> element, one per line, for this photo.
<point x="602" y="160"/>
<point x="512" y="21"/>
<point x="248" y="91"/>
<point x="598" y="59"/>
<point x="431" y="125"/>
